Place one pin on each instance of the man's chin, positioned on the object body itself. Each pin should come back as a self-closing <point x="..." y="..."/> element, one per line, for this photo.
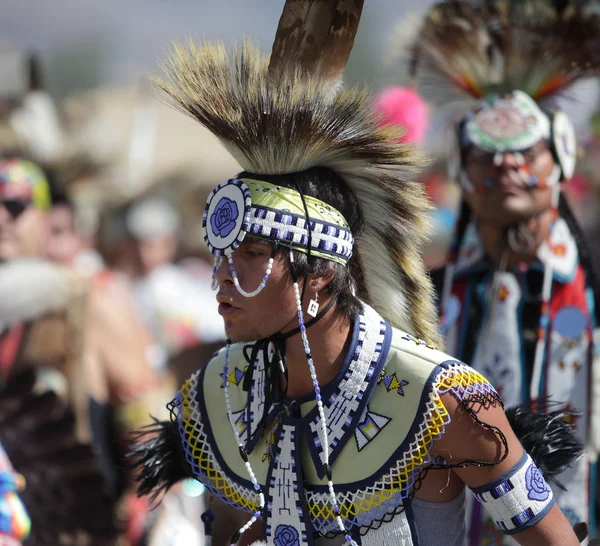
<point x="507" y="214"/>
<point x="238" y="335"/>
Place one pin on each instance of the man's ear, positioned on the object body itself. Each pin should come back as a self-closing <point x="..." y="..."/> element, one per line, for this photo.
<point x="320" y="282"/>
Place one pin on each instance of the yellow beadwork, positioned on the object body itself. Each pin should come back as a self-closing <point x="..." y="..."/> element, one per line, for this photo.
<point x="217" y="479"/>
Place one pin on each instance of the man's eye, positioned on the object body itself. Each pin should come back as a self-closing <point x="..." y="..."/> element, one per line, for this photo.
<point x="254" y="253"/>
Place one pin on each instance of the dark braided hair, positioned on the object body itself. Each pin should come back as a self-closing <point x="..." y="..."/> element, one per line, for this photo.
<point x="464" y="218"/>
<point x="585" y="256"/>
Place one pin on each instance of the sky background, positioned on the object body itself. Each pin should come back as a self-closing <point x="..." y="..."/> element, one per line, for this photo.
<point x="87" y="42"/>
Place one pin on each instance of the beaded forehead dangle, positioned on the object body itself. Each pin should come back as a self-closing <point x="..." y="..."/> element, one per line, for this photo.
<point x="240" y="208"/>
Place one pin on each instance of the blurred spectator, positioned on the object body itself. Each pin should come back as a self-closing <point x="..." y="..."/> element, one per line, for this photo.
<point x="75" y="334"/>
<point x="179" y="307"/>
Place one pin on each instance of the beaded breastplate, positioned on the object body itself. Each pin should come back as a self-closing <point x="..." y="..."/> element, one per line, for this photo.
<point x="383" y="411"/>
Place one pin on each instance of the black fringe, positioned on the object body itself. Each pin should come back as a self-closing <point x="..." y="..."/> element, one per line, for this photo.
<point x="156" y="458"/>
<point x="547" y="437"/>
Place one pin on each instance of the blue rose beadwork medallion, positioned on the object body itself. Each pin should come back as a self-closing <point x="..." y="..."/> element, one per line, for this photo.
<point x="226" y="217"/>
<point x="286" y="535"/>
<point x="537" y="488"/>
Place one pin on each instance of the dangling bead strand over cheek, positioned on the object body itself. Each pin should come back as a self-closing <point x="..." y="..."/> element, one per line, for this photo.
<point x="242" y="449"/>
<point x="216" y="264"/>
<point x="262" y="284"/>
<point x="323" y="422"/>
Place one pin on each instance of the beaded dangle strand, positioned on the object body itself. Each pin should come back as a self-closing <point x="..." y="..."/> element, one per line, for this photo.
<point x="324" y="436"/>
<point x="216" y="264"/>
<point x="262" y="284"/>
<point x="536" y="374"/>
<point x="242" y="449"/>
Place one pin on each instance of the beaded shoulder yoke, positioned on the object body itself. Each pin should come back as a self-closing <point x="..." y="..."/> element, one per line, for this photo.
<point x="384" y="410"/>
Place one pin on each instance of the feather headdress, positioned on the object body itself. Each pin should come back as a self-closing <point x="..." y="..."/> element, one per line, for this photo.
<point x="296" y="121"/>
<point x="471" y="49"/>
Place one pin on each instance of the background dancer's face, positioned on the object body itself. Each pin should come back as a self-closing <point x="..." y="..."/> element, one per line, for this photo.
<point x="502" y="193"/>
<point x="271" y="311"/>
<point x="22" y="229"/>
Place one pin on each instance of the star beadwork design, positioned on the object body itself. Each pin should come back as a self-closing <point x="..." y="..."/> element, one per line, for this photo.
<point x="417" y="341"/>
<point x="392" y="382"/>
<point x="235" y="376"/>
<point x="239" y="419"/>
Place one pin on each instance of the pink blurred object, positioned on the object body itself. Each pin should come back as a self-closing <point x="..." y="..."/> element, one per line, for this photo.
<point x="403" y="106"/>
<point x="579" y="187"/>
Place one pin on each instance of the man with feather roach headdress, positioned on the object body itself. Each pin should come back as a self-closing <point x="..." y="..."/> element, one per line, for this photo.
<point x="329" y="417"/>
<point x="518" y="297"/>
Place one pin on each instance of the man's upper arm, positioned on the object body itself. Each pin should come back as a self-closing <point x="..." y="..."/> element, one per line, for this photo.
<point x="466" y="440"/>
<point x="486" y="442"/>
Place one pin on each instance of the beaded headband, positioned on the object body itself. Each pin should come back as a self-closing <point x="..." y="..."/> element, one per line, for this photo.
<point x="241" y="207"/>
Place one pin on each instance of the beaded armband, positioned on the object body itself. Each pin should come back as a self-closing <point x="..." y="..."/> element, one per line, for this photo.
<point x="518" y="499"/>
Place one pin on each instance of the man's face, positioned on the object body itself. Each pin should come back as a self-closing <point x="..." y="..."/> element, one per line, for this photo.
<point x="273" y="310"/>
<point x="22" y="229"/>
<point x="502" y="193"/>
<point x="63" y="242"/>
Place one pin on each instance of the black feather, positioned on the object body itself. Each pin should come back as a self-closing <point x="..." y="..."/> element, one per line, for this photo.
<point x="67" y="494"/>
<point x="548" y="438"/>
<point x="156" y="458"/>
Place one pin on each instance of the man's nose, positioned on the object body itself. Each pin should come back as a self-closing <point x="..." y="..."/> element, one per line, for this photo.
<point x="510" y="160"/>
<point x="223" y="274"/>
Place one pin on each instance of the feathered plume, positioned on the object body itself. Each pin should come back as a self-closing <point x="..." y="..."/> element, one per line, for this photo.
<point x="66" y="493"/>
<point x="467" y="50"/>
<point x="547" y="437"/>
<point x="298" y="124"/>
<point x="31" y="287"/>
<point x="315" y="36"/>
